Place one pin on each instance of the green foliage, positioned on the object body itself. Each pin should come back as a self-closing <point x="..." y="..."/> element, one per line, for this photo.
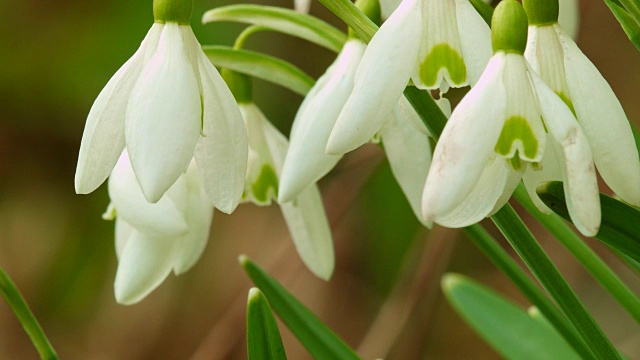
<point x="321" y="342"/>
<point x="508" y="329"/>
<point x="263" y="337"/>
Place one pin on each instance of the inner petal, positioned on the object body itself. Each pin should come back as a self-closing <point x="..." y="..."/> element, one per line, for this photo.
<point x="517" y="138"/>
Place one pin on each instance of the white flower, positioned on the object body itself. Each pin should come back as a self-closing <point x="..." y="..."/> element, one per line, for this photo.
<point x="436" y="43"/>
<point x="305" y="214"/>
<point x="511" y="122"/>
<point x="408" y="150"/>
<point x="571" y="75"/>
<point x="167" y="104"/>
<point x="154" y="239"/>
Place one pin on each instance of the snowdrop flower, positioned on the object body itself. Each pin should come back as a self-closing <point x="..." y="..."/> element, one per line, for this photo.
<point x="561" y="64"/>
<point x="167" y="104"/>
<point x="408" y="150"/>
<point x="435" y="43"/>
<point x="510" y="123"/>
<point x="304" y="215"/>
<point x="152" y="240"/>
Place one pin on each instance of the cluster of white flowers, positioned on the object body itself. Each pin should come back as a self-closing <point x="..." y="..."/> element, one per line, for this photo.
<point x="538" y="110"/>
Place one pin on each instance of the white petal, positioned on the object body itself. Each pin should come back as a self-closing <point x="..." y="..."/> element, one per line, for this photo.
<point x="531" y="51"/>
<point x="123" y="233"/>
<point x="310" y="232"/>
<point x="383" y="74"/>
<point x="475" y="40"/>
<point x="144" y="263"/>
<point x="306" y="161"/>
<point x="221" y="154"/>
<point x="409" y="154"/>
<point x="489" y="192"/>
<point x="163" y="218"/>
<point x="302" y="6"/>
<point x="467" y="143"/>
<point x="580" y="181"/>
<point x="163" y="116"/>
<point x="604" y="123"/>
<point x="569" y="17"/>
<point x="551" y="170"/>
<point x="199" y="215"/>
<point x="103" y="138"/>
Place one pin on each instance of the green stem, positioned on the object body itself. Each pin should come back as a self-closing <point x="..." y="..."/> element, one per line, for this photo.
<point x="25" y="316"/>
<point x="521" y="239"/>
<point x="246" y="33"/>
<point x="488" y="245"/>
<point x="598" y="269"/>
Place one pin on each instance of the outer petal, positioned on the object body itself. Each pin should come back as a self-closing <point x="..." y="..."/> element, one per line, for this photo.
<point x="163" y="218"/>
<point x="581" y="183"/>
<point x="222" y="151"/>
<point x="409" y="154"/>
<point x="552" y="170"/>
<point x="604" y="123"/>
<point x="383" y="73"/>
<point x="306" y="161"/>
<point x="467" y="143"/>
<point x="310" y="232"/>
<point x="475" y="39"/>
<point x="123" y="233"/>
<point x="489" y="192"/>
<point x="103" y="138"/>
<point x="199" y="215"/>
<point x="163" y="116"/>
<point x="144" y="263"/>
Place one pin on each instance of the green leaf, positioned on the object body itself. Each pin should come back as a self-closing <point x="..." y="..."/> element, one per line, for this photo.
<point x="283" y="20"/>
<point x="16" y="302"/>
<point x="261" y="66"/>
<point x="629" y="25"/>
<point x="508" y="329"/>
<point x="321" y="342"/>
<point x="485" y="10"/>
<point x="619" y="227"/>
<point x="530" y="251"/>
<point x="263" y="337"/>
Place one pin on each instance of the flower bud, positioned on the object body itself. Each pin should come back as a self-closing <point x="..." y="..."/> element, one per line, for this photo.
<point x="542" y="12"/>
<point x="175" y="11"/>
<point x="509" y="28"/>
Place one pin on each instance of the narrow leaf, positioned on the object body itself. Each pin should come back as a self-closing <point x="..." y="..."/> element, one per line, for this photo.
<point x="629" y="25"/>
<point x="619" y="226"/>
<point x="263" y="336"/>
<point x="319" y="340"/>
<point x="485" y="10"/>
<point x="508" y="329"/>
<point x="16" y="302"/>
<point x="283" y="20"/>
<point x="261" y="66"/>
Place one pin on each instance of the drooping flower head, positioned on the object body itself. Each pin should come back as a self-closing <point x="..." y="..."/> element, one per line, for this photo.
<point x="167" y="104"/>
<point x="571" y="75"/>
<point x="435" y="43"/>
<point x="152" y="240"/>
<point x="511" y="124"/>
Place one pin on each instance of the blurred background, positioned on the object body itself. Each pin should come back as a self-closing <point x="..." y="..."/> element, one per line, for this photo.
<point x="384" y="298"/>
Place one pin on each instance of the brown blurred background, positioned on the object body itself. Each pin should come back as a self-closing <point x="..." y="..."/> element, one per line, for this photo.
<point x="384" y="298"/>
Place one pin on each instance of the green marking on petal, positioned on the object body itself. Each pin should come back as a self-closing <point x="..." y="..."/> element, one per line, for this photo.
<point x="443" y="56"/>
<point x="567" y="101"/>
<point x="517" y="128"/>
<point x="516" y="162"/>
<point x="268" y="179"/>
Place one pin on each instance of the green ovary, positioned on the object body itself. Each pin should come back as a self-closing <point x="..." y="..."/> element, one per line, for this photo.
<point x="517" y="128"/>
<point x="443" y="56"/>
<point x="268" y="179"/>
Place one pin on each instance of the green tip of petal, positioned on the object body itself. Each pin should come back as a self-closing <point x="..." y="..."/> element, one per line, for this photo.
<point x="509" y="28"/>
<point x="177" y="11"/>
<point x="542" y="12"/>
<point x="443" y="57"/>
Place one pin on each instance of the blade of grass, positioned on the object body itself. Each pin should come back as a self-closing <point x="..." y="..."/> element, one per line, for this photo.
<point x="20" y="308"/>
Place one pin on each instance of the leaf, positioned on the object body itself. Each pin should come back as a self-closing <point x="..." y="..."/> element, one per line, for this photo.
<point x="507" y="328"/>
<point x="261" y="66"/>
<point x="629" y="25"/>
<point x="485" y="10"/>
<point x="263" y="337"/>
<point x="321" y="342"/>
<point x="285" y="21"/>
<point x="619" y="226"/>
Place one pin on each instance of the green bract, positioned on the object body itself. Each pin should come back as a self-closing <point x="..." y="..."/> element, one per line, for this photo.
<point x="541" y="12"/>
<point x="509" y="28"/>
<point x="177" y="11"/>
